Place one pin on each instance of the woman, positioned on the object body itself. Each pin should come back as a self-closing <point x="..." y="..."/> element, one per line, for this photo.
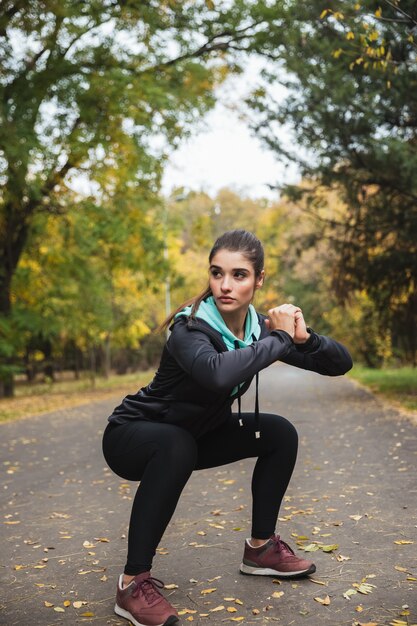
<point x="182" y="421"/>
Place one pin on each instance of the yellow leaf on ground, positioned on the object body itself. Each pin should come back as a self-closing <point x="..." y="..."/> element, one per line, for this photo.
<point x="236" y="619"/>
<point x="403" y="542"/>
<point x="231" y="609"/>
<point x="206" y="591"/>
<point x="59" y="609"/>
<point x="186" y="611"/>
<point x="217" y="608"/>
<point x="171" y="586"/>
<point x="88" y="614"/>
<point x="325" y="601"/>
<point x="238" y="601"/>
<point x="67" y="603"/>
<point x="277" y="594"/>
<point x="78" y="604"/>
<point x="48" y="604"/>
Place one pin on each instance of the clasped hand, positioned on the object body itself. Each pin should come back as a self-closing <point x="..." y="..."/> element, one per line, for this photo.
<point x="289" y="318"/>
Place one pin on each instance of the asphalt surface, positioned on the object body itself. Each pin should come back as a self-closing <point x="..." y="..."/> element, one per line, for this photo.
<point x="352" y="500"/>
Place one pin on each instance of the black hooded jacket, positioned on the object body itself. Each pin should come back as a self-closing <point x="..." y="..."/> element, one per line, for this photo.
<point x="197" y="373"/>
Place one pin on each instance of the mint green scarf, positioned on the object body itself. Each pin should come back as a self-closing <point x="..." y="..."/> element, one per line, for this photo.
<point x="209" y="312"/>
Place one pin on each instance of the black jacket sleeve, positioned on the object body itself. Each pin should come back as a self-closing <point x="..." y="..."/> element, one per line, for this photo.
<point x="320" y="354"/>
<point x="222" y="371"/>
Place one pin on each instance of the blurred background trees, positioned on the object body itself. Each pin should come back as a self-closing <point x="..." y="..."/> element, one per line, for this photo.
<point x="95" y="96"/>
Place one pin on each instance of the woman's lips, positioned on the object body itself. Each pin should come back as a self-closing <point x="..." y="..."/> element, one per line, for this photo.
<point x="226" y="299"/>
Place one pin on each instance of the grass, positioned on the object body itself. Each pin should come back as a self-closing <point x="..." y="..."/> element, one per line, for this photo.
<point x="43" y="397"/>
<point x="398" y="385"/>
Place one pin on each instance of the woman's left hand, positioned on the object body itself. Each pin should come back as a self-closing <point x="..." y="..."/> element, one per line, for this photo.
<point x="300" y="334"/>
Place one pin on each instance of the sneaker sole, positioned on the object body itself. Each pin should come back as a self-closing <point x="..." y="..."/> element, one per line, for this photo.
<point x="266" y="571"/>
<point x="171" y="621"/>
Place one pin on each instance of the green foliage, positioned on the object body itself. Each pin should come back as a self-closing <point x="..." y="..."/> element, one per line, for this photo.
<point x="93" y="96"/>
<point x="357" y="134"/>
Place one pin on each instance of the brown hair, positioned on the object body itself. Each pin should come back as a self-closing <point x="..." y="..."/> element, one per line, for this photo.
<point x="235" y="241"/>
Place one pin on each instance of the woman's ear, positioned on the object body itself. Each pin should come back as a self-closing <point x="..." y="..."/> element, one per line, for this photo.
<point x="260" y="280"/>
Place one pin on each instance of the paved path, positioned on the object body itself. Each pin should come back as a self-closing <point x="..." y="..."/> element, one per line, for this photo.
<point x="64" y="518"/>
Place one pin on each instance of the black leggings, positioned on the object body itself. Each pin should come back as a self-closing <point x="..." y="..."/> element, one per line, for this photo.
<point x="163" y="456"/>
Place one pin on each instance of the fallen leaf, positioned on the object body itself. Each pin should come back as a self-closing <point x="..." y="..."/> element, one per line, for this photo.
<point x="255" y="611"/>
<point x="330" y="548"/>
<point x="217" y="608"/>
<point x="206" y="591"/>
<point x="59" y="609"/>
<point x="48" y="604"/>
<point x="236" y="619"/>
<point x="277" y="594"/>
<point x="400" y="569"/>
<point x="231" y="609"/>
<point x="78" y="604"/>
<point x="356" y="517"/>
<point x="102" y="539"/>
<point x="88" y="614"/>
<point x="238" y="601"/>
<point x="325" y="600"/>
<point x="364" y="588"/>
<point x="171" y="586"/>
<point x="341" y="558"/>
<point x="67" y="603"/>
<point x="318" y="582"/>
<point x="312" y="547"/>
<point x="186" y="611"/>
<point x="403" y="542"/>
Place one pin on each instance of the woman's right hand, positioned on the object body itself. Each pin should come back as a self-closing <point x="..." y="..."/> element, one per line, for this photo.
<point x="282" y="317"/>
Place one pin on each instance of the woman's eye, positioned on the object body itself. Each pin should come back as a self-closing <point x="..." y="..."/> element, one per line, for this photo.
<point x="240" y="275"/>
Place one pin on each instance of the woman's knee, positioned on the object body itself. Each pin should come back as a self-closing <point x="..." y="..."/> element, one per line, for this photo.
<point x="279" y="430"/>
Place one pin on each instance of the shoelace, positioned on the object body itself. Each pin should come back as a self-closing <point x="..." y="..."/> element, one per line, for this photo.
<point x="281" y="546"/>
<point x="148" y="586"/>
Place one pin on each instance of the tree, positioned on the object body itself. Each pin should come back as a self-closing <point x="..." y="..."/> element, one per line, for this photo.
<point x="84" y="89"/>
<point x="355" y="132"/>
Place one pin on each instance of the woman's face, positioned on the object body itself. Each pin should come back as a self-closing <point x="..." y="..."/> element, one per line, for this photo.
<point x="232" y="281"/>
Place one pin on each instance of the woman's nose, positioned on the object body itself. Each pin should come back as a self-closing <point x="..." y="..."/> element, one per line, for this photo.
<point x="226" y="284"/>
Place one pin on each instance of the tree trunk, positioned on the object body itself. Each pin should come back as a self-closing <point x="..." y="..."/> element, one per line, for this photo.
<point x="7" y="380"/>
<point x="107" y="357"/>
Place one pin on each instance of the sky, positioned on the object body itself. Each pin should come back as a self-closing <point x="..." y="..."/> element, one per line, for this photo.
<point x="222" y="152"/>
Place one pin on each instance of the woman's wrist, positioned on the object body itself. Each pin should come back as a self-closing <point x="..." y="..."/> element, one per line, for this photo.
<point x="301" y="340"/>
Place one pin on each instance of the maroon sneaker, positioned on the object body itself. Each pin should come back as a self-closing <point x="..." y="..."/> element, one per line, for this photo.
<point x="274" y="558"/>
<point x="142" y="603"/>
